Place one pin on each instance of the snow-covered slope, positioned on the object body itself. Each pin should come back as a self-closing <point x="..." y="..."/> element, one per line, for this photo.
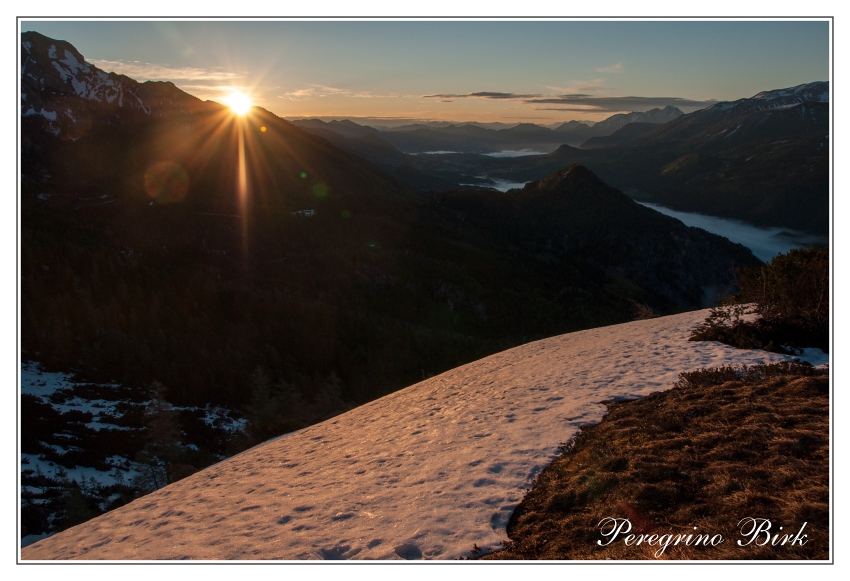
<point x="425" y="472"/>
<point x="817" y="92"/>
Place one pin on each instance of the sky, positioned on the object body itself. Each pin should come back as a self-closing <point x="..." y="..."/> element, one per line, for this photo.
<point x="488" y="71"/>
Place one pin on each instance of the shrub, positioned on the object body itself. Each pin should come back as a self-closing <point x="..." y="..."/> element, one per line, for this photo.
<point x="727" y="325"/>
<point x="719" y="375"/>
<point x="790" y="295"/>
<point x="793" y="289"/>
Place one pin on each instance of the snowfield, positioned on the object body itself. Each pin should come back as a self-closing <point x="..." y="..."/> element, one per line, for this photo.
<point x="425" y="472"/>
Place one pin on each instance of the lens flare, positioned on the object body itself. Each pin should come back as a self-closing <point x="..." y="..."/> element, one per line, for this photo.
<point x="166" y="182"/>
<point x="320" y="190"/>
<point x="239" y="102"/>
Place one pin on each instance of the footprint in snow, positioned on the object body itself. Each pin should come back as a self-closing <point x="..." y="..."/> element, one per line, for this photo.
<point x="408" y="552"/>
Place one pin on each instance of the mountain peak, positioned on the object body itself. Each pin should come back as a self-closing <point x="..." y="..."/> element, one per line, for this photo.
<point x="59" y="85"/>
<point x="615" y="122"/>
<point x="527" y="127"/>
<point x="817" y="91"/>
<point x="578" y="172"/>
<point x="34" y="43"/>
<point x="575" y="178"/>
<point x="572" y="126"/>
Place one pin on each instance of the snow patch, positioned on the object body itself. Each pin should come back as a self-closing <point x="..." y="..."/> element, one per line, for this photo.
<point x="80" y="87"/>
<point x="722" y="106"/>
<point x="82" y="474"/>
<point x="425" y="472"/>
<point x="51" y="52"/>
<point x="74" y="66"/>
<point x="51" y="115"/>
<point x="63" y="74"/>
<point x="786" y="106"/>
<point x="39" y="383"/>
<point x="30" y="539"/>
<point x="738" y="126"/>
<point x="814" y="356"/>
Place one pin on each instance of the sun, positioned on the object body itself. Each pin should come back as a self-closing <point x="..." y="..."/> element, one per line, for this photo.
<point x="239" y="102"/>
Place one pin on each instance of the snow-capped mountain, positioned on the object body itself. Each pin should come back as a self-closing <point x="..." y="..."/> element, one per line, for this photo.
<point x="809" y="96"/>
<point x="426" y="472"/>
<point x="58" y="84"/>
<point x="818" y="91"/>
<point x="796" y="110"/>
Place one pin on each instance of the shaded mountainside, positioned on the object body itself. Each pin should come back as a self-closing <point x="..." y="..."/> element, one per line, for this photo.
<point x="144" y="258"/>
<point x="624" y="136"/>
<point x="366" y="143"/>
<point x="573" y="214"/>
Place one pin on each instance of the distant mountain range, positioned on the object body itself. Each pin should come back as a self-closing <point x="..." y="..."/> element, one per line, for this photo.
<point x="385" y="147"/>
<point x="763" y="159"/>
<point x="478" y="138"/>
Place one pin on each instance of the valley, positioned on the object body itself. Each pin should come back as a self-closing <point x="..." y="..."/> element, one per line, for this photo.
<point x="725" y="160"/>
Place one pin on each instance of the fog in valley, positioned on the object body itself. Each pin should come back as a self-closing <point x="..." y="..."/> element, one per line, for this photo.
<point x="764" y="242"/>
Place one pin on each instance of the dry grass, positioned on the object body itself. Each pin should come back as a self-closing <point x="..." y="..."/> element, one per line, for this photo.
<point x="705" y="454"/>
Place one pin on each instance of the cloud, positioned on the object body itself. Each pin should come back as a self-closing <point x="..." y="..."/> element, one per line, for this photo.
<point x="579" y="97"/>
<point x="154" y="72"/>
<point x="618" y="68"/>
<point x="572" y="109"/>
<point x="320" y="91"/>
<point x="484" y="95"/>
<point x="368" y="95"/>
<point x="596" y="104"/>
<point x="592" y="86"/>
<point x="224" y="88"/>
<point x="314" y="92"/>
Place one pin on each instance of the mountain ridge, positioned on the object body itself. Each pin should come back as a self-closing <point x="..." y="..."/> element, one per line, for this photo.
<point x="418" y="138"/>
